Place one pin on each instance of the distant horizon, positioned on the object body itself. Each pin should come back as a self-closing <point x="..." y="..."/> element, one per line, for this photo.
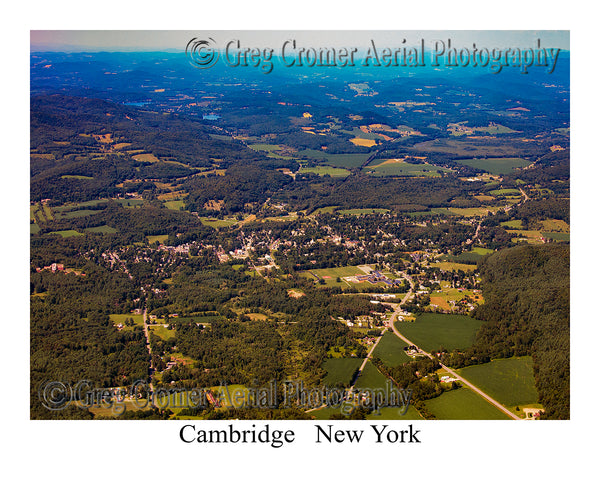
<point x="126" y="41"/>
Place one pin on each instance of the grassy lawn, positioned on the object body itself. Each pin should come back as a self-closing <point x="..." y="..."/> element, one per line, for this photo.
<point x="117" y="318"/>
<point x="333" y="273"/>
<point x="163" y="332"/>
<point x="340" y="370"/>
<point x="496" y="166"/>
<point x="390" y="350"/>
<point x="431" y="331"/>
<point x="463" y="404"/>
<point x="508" y="380"/>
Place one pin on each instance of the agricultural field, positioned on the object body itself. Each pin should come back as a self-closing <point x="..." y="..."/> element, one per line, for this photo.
<point x="101" y="229"/>
<point x="371" y="378"/>
<point x="75" y="213"/>
<point x="77" y="177"/>
<point x="463" y="404"/>
<point x="218" y="223"/>
<point x="326" y="170"/>
<point x="340" y="370"/>
<point x="390" y="350"/>
<point x="496" y="166"/>
<point x="66" y="233"/>
<point x="451" y="266"/>
<point x="146" y="157"/>
<point x="398" y="167"/>
<point x="175" y="204"/>
<point x="362" y="211"/>
<point x="514" y="224"/>
<point x="431" y="331"/>
<point x="347" y="160"/>
<point x="558" y="237"/>
<point x="472" y="255"/>
<point x="508" y="380"/>
<point x="478" y="146"/>
<point x="503" y="192"/>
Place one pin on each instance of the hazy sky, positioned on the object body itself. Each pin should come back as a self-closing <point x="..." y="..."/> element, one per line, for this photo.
<point x="160" y="40"/>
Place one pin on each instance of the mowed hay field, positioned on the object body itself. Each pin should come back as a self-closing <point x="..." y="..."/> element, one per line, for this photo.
<point x="431" y="331"/>
<point x="390" y="350"/>
<point x="463" y="404"/>
<point x="340" y="371"/>
<point x="508" y="380"/>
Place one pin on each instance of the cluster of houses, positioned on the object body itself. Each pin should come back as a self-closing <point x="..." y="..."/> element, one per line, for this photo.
<point x="58" y="267"/>
<point x="375" y="277"/>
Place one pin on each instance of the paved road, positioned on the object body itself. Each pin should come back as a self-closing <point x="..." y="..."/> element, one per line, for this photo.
<point x="148" y="346"/>
<point x="496" y="404"/>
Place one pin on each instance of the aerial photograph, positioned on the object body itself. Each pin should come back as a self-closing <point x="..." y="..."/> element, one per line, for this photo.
<point x="299" y="225"/>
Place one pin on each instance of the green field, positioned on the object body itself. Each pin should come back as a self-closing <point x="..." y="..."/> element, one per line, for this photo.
<point x="157" y="238"/>
<point x="450" y="266"/>
<point x="162" y="332"/>
<point x="75" y="213"/>
<point x="390" y="350"/>
<point x="371" y="378"/>
<point x="175" y="204"/>
<point x="218" y="223"/>
<point x="401" y="168"/>
<point x="348" y="160"/>
<point x="496" y="166"/>
<point x="362" y="211"/>
<point x="326" y="170"/>
<point x="77" y="177"/>
<point x="340" y="370"/>
<point x="513" y="224"/>
<point x="508" y="380"/>
<point x="101" y="229"/>
<point x="501" y="192"/>
<point x="117" y="318"/>
<point x="431" y="331"/>
<point x="472" y="255"/>
<point x="66" y="233"/>
<point x="463" y="404"/>
<point x="558" y="236"/>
